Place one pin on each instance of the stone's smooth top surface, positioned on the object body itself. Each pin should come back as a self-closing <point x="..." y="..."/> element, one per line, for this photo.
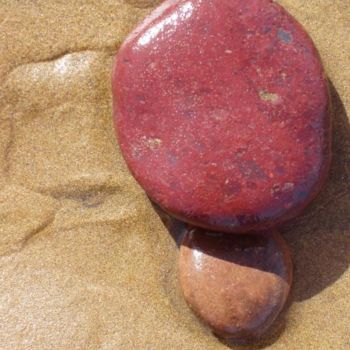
<point x="221" y="109"/>
<point x="237" y="284"/>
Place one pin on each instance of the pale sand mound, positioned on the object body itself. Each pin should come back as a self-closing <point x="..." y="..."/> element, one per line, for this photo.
<point x="85" y="261"/>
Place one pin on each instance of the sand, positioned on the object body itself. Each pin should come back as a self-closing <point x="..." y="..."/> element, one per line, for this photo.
<point x="85" y="261"/>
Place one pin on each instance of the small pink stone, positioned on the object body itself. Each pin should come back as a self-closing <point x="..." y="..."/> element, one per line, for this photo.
<point x="237" y="284"/>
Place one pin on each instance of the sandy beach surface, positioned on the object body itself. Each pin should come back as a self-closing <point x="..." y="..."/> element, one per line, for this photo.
<point x="85" y="261"/>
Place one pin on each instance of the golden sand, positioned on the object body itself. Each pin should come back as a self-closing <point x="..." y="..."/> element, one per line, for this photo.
<point x="85" y="261"/>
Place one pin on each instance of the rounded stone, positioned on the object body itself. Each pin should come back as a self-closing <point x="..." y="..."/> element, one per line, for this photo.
<point x="222" y="112"/>
<point x="237" y="284"/>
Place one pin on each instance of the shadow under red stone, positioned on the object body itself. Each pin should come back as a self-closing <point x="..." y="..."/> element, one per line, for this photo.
<point x="320" y="238"/>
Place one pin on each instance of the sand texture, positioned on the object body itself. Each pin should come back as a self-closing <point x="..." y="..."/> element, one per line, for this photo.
<point x="85" y="261"/>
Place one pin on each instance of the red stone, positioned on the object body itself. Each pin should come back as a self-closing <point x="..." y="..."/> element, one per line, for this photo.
<point x="222" y="112"/>
<point x="237" y="284"/>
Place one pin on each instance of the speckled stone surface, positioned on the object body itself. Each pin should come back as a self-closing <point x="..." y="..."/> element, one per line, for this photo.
<point x="237" y="284"/>
<point x="85" y="262"/>
<point x="222" y="112"/>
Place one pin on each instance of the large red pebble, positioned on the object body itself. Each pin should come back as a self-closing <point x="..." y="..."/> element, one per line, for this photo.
<point x="222" y="112"/>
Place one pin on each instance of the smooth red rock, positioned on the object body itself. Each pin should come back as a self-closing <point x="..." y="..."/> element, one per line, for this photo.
<point x="237" y="284"/>
<point x="222" y="112"/>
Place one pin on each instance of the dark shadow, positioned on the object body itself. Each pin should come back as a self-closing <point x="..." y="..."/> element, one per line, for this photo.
<point x="320" y="238"/>
<point x="176" y="228"/>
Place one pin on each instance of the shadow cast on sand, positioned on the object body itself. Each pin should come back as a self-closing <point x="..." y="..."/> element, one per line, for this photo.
<point x="320" y="238"/>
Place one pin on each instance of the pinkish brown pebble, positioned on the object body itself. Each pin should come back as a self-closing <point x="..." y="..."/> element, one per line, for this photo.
<point x="237" y="284"/>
